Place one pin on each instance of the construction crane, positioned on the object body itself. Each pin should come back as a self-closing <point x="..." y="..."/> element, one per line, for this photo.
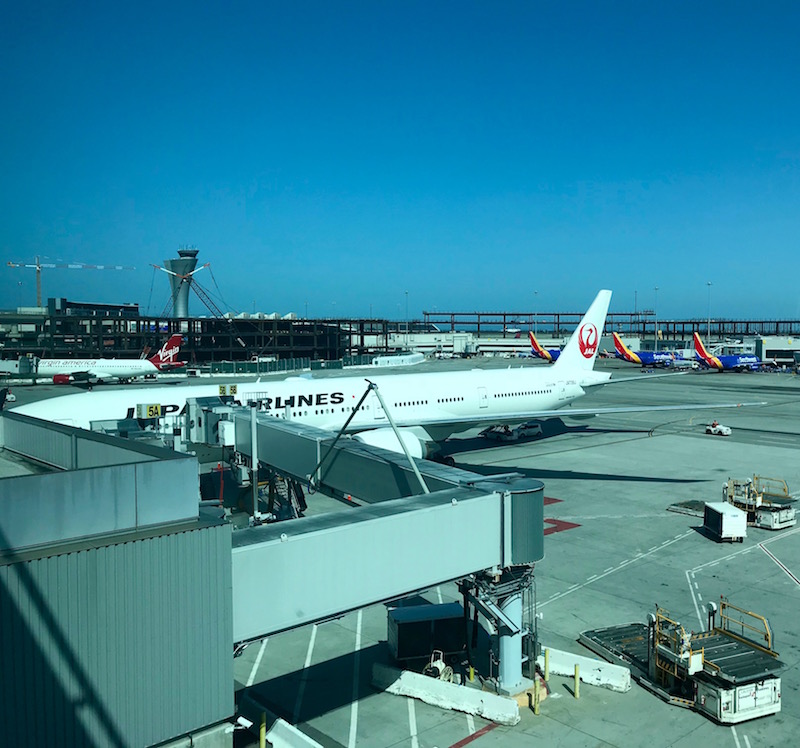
<point x="37" y="266"/>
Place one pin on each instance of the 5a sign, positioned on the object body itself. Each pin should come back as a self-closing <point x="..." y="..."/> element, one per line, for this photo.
<point x="149" y="411"/>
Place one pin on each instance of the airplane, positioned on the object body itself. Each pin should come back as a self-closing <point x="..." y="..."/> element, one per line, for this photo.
<point x="427" y="407"/>
<point x="733" y="362"/>
<point x="644" y="358"/>
<point x="71" y="370"/>
<point x="548" y="354"/>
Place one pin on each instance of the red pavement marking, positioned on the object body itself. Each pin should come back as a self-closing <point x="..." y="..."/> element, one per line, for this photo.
<point x="558" y="525"/>
<point x="551" y="500"/>
<point x="475" y="735"/>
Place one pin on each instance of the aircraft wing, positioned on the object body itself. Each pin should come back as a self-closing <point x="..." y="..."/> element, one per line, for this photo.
<point x="82" y="376"/>
<point x="459" y="424"/>
<point x="639" y="378"/>
<point x="91" y="375"/>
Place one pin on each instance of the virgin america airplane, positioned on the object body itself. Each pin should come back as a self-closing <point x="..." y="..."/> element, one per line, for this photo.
<point x="70" y="370"/>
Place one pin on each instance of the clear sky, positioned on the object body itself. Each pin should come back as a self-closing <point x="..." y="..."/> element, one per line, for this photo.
<point x="335" y="155"/>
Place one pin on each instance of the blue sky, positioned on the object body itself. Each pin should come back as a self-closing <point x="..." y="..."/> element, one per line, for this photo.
<point x="479" y="156"/>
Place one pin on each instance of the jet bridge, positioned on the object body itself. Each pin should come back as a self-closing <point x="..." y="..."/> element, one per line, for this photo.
<point x="420" y="528"/>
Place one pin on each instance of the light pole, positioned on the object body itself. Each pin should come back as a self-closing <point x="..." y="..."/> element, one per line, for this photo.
<point x="535" y="313"/>
<point x="407" y="338"/>
<point x="655" y="312"/>
<point x="708" y="332"/>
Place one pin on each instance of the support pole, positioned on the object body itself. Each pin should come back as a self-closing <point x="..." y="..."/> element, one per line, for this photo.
<point x="547" y="665"/>
<point x="510" y="671"/>
<point x="254" y="456"/>
<point x="414" y="467"/>
<point x="316" y="475"/>
<point x="262" y="731"/>
<point x="577" y="681"/>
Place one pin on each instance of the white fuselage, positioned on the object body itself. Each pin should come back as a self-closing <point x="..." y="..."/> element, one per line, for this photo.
<point x="97" y="368"/>
<point x="440" y="403"/>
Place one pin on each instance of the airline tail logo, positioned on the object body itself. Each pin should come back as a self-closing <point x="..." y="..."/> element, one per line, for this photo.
<point x="702" y="353"/>
<point x="168" y="352"/>
<point x="537" y="348"/>
<point x="624" y="352"/>
<point x="588" y="340"/>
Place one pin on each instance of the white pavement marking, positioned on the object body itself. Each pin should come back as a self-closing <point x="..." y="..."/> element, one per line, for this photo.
<point x="470" y="724"/>
<point x="257" y="663"/>
<point x="735" y="737"/>
<point x="590" y="517"/>
<point x="746" y="741"/>
<point x="412" y="723"/>
<point x="744" y="550"/>
<point x="780" y="565"/>
<point x="689" y="577"/>
<point x="301" y="691"/>
<point x="612" y="569"/>
<point x="354" y="700"/>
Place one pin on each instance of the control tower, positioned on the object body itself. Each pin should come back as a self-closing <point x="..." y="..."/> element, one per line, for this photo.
<point x="180" y="279"/>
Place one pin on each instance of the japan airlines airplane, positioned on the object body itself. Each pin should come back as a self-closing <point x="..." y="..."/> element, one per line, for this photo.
<point x="548" y="354"/>
<point x="643" y="358"/>
<point x="70" y="370"/>
<point x="426" y="407"/>
<point x="734" y="362"/>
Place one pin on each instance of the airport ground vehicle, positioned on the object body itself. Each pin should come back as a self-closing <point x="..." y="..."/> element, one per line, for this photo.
<point x="724" y="521"/>
<point x="512" y="434"/>
<point x="717" y="429"/>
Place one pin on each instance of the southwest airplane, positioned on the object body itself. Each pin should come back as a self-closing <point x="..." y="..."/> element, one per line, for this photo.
<point x="733" y="362"/>
<point x="548" y="354"/>
<point x="643" y="358"/>
<point x="426" y="407"/>
<point x="69" y="370"/>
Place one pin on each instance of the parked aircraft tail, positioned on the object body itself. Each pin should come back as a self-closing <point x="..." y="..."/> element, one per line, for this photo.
<point x="581" y="350"/>
<point x="623" y="351"/>
<point x="538" y="350"/>
<point x="704" y="355"/>
<point x="166" y="356"/>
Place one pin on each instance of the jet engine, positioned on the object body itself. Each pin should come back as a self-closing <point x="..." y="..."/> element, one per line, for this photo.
<point x="385" y="438"/>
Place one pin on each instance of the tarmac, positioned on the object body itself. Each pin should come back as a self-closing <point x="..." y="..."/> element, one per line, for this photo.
<point x="613" y="552"/>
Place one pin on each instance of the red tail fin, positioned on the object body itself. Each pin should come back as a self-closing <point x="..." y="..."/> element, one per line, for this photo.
<point x="700" y="349"/>
<point x="166" y="356"/>
<point x="537" y="348"/>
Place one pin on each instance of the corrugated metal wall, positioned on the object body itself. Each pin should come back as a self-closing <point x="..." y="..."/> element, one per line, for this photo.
<point x="120" y="645"/>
